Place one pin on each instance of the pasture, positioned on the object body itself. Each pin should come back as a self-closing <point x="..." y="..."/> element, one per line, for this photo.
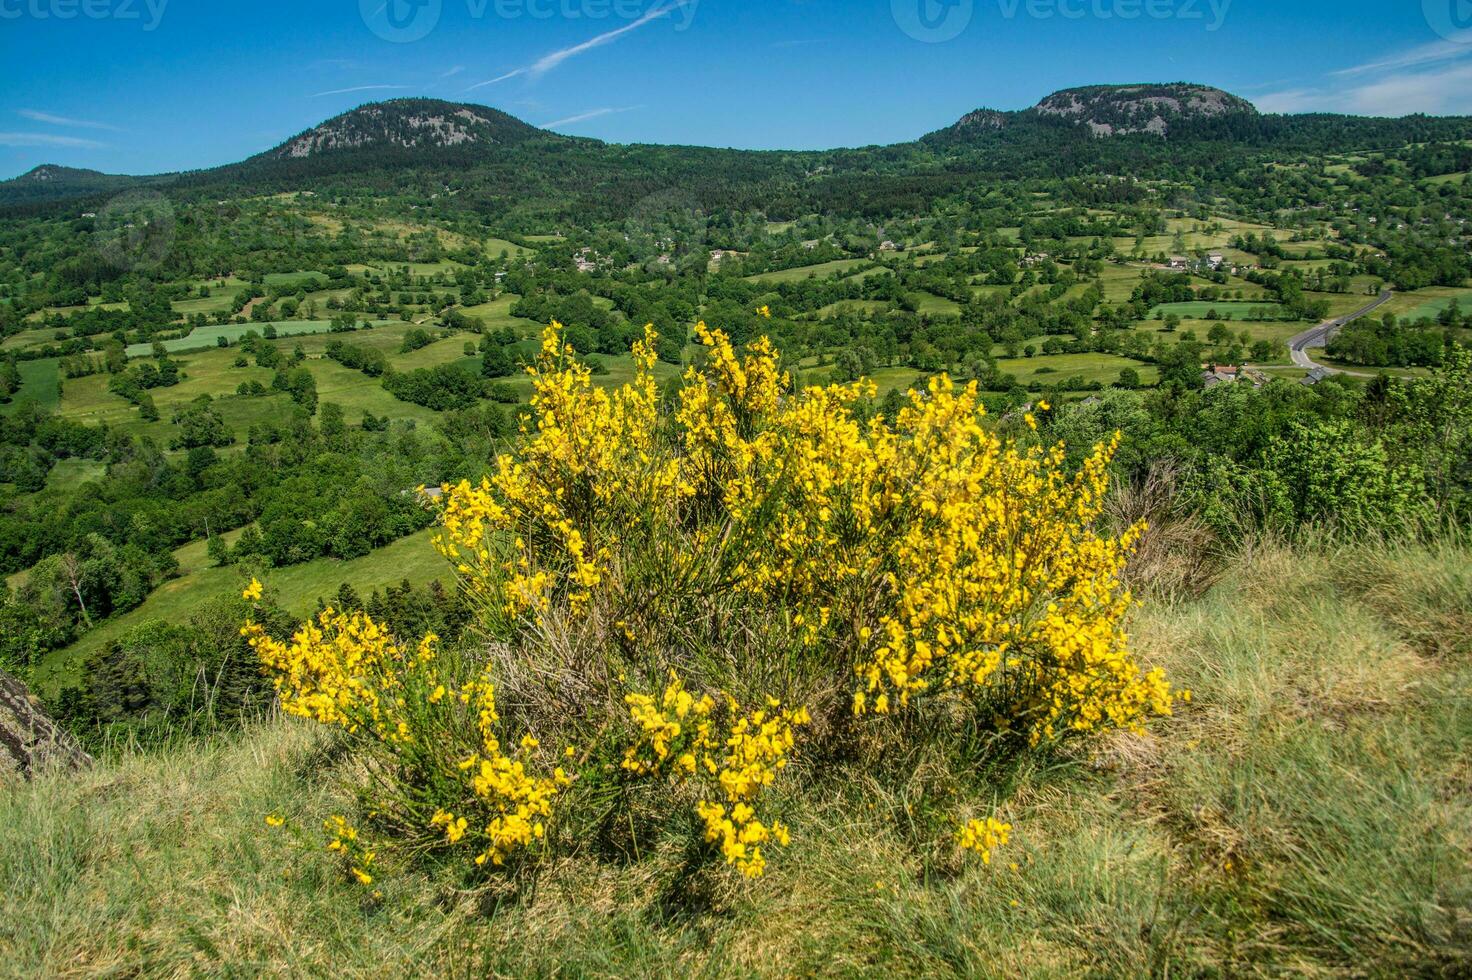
<point x="818" y="271"/>
<point x="298" y="587"/>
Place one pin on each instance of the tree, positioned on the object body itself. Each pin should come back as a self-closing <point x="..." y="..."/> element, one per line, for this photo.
<point x="75" y="571"/>
<point x="495" y="362"/>
<point x="331" y="424"/>
<point x="217" y="551"/>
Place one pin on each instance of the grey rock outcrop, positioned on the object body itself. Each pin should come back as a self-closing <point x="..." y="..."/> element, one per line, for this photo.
<point x="30" y="742"/>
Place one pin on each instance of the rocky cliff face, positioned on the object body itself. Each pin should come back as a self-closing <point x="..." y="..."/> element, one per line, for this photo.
<point x="425" y="124"/>
<point x="1119" y="110"/>
<point x="30" y="742"/>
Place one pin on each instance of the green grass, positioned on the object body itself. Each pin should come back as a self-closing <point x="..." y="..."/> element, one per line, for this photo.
<point x="1048" y="369"/>
<point x="68" y="473"/>
<point x="297" y="586"/>
<point x="821" y="270"/>
<point x="202" y="338"/>
<point x="1238" y="312"/>
<point x="495" y="246"/>
<point x="357" y="393"/>
<point x="1307" y="814"/>
<point x="1119" y="281"/>
<point x="934" y="305"/>
<point x="1433" y="307"/>
<point x="855" y="306"/>
<point x="33" y="337"/>
<point x="497" y="313"/>
<point x="446" y="351"/>
<point x="425" y="269"/>
<point x="1437" y="181"/>
<point x="295" y="280"/>
<point x="1278" y="331"/>
<point x="206" y="372"/>
<point x="38" y="384"/>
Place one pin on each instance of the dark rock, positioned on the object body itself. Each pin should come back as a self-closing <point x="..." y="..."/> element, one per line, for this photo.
<point x="30" y="742"/>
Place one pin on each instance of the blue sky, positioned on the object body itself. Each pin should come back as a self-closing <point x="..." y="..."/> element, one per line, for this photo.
<point x="140" y="86"/>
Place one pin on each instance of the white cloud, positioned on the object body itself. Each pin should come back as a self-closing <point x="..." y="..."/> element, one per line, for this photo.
<point x="1445" y="92"/>
<point x="1459" y="46"/>
<point x="1414" y="81"/>
<point x="501" y="78"/>
<point x="548" y="62"/>
<point x="35" y="115"/>
<point x="590" y="114"/>
<point x="357" y="88"/>
<point x="48" y="139"/>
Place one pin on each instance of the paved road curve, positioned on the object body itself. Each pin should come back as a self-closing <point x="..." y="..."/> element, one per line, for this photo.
<point x="1319" y="336"/>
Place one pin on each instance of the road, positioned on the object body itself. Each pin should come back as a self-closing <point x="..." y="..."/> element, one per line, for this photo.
<point x="1319" y="336"/>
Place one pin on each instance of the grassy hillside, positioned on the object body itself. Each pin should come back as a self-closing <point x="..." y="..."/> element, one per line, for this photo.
<point x="1308" y="812"/>
<point x="409" y="559"/>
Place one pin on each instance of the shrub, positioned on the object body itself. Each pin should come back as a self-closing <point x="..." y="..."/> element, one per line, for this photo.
<point x="668" y="595"/>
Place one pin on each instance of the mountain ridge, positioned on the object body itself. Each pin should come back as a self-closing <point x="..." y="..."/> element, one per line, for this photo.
<point x="450" y="137"/>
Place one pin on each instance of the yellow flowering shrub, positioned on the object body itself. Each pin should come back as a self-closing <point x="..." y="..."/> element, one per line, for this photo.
<point x="418" y="729"/>
<point x="784" y="545"/>
<point x="678" y="736"/>
<point x="926" y="552"/>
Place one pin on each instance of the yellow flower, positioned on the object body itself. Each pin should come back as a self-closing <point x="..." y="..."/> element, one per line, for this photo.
<point x="984" y="836"/>
<point x="252" y="591"/>
<point x="272" y="820"/>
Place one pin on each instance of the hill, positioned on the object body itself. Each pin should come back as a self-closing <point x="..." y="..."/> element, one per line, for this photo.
<point x="414" y="124"/>
<point x="1302" y="815"/>
<point x="50" y="181"/>
<point x="1122" y="110"/>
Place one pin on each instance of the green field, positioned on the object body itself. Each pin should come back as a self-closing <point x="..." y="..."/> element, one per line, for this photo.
<point x="1058" y="368"/>
<point x="38" y="384"/>
<point x="298" y="588"/>
<point x="495" y="246"/>
<point x="821" y="270"/>
<point x="853" y="306"/>
<point x="67" y="473"/>
<point x="33" y="337"/>
<point x="295" y="280"/>
<point x="427" y="270"/>
<point x="933" y="305"/>
<point x="1441" y="300"/>
<point x="1226" y="311"/>
<point x="95" y="303"/>
<point x="202" y="338"/>
<point x="1277" y="331"/>
<point x="357" y="393"/>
